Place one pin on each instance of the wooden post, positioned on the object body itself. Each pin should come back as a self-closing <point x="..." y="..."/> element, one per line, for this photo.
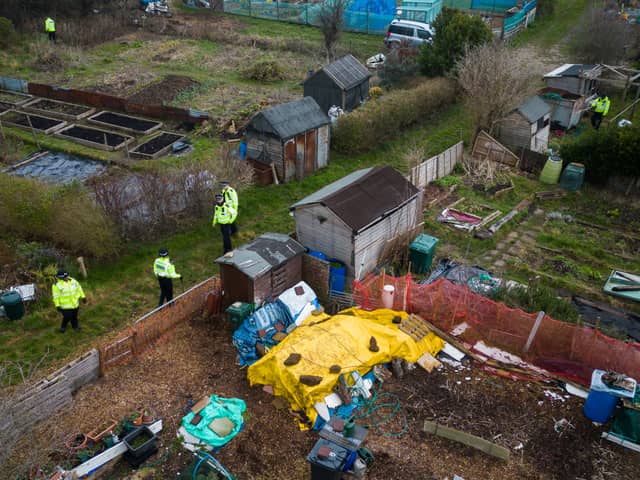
<point x="33" y="131"/>
<point x="83" y="268"/>
<point x="534" y="331"/>
<point x="105" y="139"/>
<point x="2" y="131"/>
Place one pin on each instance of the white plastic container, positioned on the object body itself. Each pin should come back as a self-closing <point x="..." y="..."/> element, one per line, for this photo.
<point x="388" y="292"/>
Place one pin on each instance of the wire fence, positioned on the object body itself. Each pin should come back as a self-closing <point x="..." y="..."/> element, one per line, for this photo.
<point x="366" y="16"/>
<point x="150" y="328"/>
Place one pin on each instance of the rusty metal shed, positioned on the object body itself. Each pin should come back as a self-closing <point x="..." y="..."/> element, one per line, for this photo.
<point x="293" y="137"/>
<point x="353" y="219"/>
<point x="344" y="83"/>
<point x="263" y="268"/>
<point x="576" y="78"/>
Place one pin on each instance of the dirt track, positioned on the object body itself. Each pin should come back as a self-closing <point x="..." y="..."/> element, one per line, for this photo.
<point x="198" y="359"/>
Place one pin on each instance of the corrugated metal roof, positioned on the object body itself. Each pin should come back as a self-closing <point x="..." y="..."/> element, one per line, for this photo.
<point x="570" y="70"/>
<point x="534" y="108"/>
<point x="363" y="196"/>
<point x="267" y="251"/>
<point x="347" y="72"/>
<point x="289" y="119"/>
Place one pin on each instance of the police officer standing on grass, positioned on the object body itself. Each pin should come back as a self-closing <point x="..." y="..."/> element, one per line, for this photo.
<point x="224" y="215"/>
<point x="230" y="197"/>
<point x="50" y="28"/>
<point x="600" y="109"/>
<point x="166" y="272"/>
<point x="67" y="294"/>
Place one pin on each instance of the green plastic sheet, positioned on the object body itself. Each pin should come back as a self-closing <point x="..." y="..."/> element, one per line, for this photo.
<point x="219" y="407"/>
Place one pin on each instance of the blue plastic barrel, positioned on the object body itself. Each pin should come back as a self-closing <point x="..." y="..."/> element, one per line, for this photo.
<point x="337" y="274"/>
<point x="317" y="254"/>
<point x="599" y="406"/>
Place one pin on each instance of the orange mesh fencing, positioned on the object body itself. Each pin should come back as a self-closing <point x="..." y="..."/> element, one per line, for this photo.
<point x="567" y="350"/>
<point x="150" y="328"/>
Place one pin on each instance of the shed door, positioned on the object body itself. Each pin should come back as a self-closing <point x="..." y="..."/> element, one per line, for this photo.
<point x="323" y="146"/>
<point x="310" y="152"/>
<point x="300" y="156"/>
<point x="289" y="159"/>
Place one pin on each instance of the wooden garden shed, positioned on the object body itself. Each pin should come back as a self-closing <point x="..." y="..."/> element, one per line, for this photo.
<point x="575" y="78"/>
<point x="352" y="219"/>
<point x="263" y="268"/>
<point x="527" y="126"/>
<point x="344" y="83"/>
<point x="293" y="137"/>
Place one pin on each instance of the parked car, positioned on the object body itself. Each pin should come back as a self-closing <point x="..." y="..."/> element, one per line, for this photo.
<point x="410" y="32"/>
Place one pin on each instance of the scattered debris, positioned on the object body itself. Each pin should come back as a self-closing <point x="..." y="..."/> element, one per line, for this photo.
<point x="310" y="380"/>
<point x="373" y="345"/>
<point x="293" y="359"/>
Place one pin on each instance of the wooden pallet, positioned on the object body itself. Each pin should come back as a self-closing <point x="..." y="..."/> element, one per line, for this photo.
<point x="415" y="327"/>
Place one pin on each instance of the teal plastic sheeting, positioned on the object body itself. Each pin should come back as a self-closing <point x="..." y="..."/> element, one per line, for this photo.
<point x="219" y="407"/>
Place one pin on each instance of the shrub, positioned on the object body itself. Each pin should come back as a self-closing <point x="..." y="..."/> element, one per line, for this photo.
<point x="264" y="71"/>
<point x="455" y="32"/>
<point x="7" y="32"/>
<point x="378" y="122"/>
<point x="602" y="38"/>
<point x="61" y="216"/>
<point x="605" y="152"/>
<point x="400" y="65"/>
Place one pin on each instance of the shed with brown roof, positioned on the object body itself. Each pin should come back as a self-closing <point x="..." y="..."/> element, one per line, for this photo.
<point x="354" y="218"/>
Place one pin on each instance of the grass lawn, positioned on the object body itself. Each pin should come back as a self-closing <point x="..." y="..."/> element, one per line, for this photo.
<point x="550" y="31"/>
<point x="121" y="290"/>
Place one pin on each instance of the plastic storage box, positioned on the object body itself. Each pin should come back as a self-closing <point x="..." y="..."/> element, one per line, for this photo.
<point x="331" y="466"/>
<point x="239" y="311"/>
<point x="141" y="444"/>
<point x="421" y="253"/>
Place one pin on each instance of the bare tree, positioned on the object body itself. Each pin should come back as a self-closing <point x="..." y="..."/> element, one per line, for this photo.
<point x="494" y="83"/>
<point x="601" y="37"/>
<point x="330" y="18"/>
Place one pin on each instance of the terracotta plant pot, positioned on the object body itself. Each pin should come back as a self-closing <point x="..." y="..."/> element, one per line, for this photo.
<point x="97" y="434"/>
<point x="75" y="442"/>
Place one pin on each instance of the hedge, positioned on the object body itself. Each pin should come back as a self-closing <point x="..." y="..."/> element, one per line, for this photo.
<point x="381" y="120"/>
<point x="606" y="152"/>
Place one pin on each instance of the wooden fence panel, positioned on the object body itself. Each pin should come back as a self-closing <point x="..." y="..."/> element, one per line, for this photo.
<point x="436" y="167"/>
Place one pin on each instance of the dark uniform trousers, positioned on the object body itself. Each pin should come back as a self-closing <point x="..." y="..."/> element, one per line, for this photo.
<point x="69" y="315"/>
<point x="226" y="230"/>
<point x="166" y="290"/>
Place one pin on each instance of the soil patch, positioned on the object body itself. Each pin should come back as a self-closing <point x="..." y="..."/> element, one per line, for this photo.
<point x="59" y="107"/>
<point x="163" y="91"/>
<point x="198" y="360"/>
<point x="125" y="121"/>
<point x="95" y="136"/>
<point x="156" y="144"/>
<point x="38" y="123"/>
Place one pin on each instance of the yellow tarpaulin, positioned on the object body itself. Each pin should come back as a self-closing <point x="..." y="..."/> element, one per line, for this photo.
<point x="323" y="341"/>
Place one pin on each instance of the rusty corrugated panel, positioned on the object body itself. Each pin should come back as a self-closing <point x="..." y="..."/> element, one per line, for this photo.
<point x="310" y="152"/>
<point x="102" y="100"/>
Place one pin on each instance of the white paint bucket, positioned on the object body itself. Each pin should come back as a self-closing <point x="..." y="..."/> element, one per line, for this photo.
<point x="388" y="292"/>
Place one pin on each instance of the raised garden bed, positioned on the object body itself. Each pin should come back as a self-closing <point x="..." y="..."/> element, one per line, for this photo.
<point x="94" y="137"/>
<point x="14" y="98"/>
<point x="68" y="111"/>
<point x="125" y="122"/>
<point x="27" y="121"/>
<point x="157" y="146"/>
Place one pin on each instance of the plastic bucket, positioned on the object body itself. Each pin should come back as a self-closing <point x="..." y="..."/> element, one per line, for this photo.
<point x="12" y="303"/>
<point x="388" y="293"/>
<point x="599" y="406"/>
<point x="337" y="274"/>
<point x="551" y="170"/>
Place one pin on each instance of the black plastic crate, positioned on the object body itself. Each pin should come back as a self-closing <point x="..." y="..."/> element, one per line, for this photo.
<point x="137" y="450"/>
